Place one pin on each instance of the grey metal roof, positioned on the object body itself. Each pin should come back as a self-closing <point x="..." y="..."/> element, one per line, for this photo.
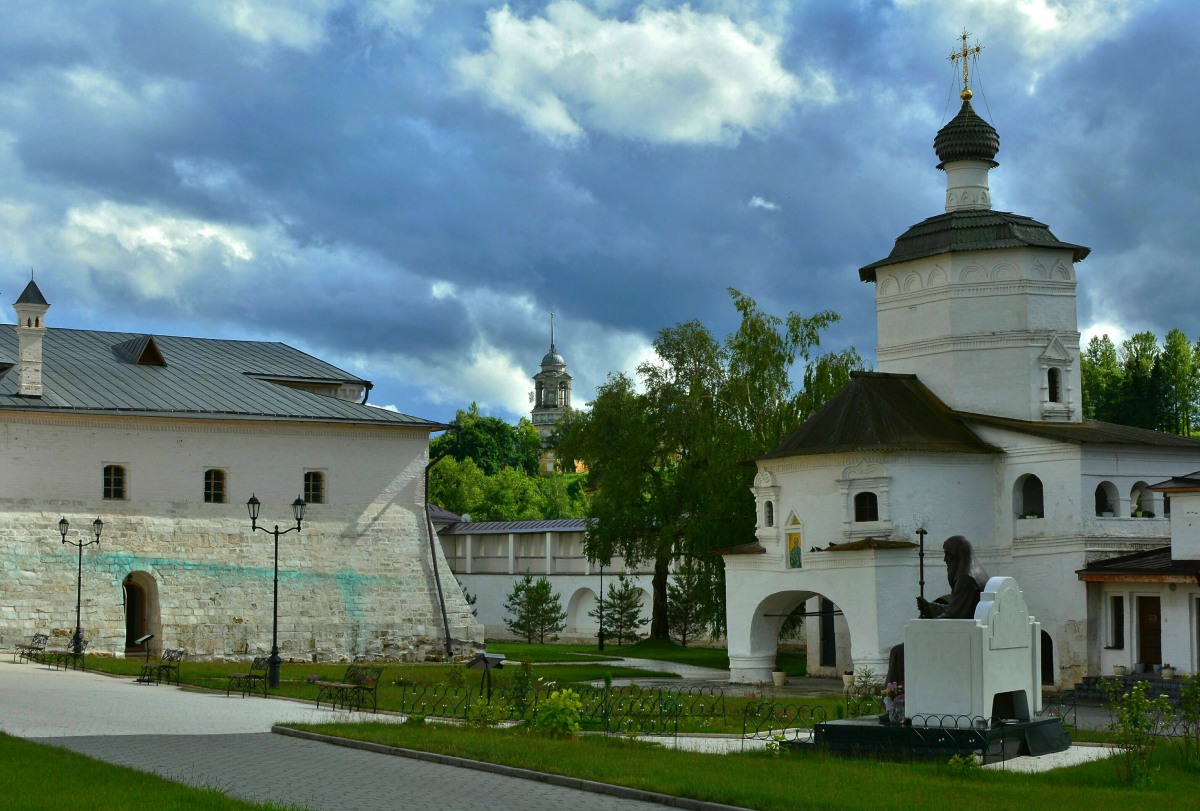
<point x="974" y="230"/>
<point x="517" y="527"/>
<point x="882" y="412"/>
<point x="87" y="371"/>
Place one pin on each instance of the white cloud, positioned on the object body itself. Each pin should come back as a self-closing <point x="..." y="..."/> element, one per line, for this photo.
<point x="302" y="25"/>
<point x="667" y="76"/>
<point x="1045" y="31"/>
<point x="763" y="203"/>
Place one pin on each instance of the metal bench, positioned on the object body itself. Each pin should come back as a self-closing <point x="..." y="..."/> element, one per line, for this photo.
<point x="31" y="650"/>
<point x="359" y="684"/>
<point x="246" y="681"/>
<point x="65" y="658"/>
<point x="166" y="667"/>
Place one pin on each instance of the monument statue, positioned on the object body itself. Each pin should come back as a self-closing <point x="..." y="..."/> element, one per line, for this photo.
<point x="967" y="580"/>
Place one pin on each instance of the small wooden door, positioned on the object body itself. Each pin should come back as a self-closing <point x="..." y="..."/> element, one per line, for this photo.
<point x="1149" y="618"/>
<point x="828" y="636"/>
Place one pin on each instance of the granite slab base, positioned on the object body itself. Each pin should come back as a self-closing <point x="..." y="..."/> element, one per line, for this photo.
<point x="871" y="737"/>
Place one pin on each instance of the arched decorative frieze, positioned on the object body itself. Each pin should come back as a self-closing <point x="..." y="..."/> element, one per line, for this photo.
<point x="1004" y="272"/>
<point x="937" y="277"/>
<point x="1038" y="270"/>
<point x="912" y="282"/>
<point x="765" y="478"/>
<point x="972" y="273"/>
<point x="888" y="286"/>
<point x="863" y="469"/>
<point x="1062" y="271"/>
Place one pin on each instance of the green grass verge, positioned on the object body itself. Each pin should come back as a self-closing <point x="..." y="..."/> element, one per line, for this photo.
<point x="785" y="782"/>
<point x="293" y="678"/>
<point x="34" y="777"/>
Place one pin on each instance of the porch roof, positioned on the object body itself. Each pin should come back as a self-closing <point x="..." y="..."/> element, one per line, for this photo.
<point x="1152" y="566"/>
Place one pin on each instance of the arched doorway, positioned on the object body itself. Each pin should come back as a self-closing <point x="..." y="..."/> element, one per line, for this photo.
<point x="1047" y="658"/>
<point x="140" y="598"/>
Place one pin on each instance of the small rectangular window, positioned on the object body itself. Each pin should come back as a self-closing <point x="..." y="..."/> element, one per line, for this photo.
<point x="214" y="486"/>
<point x="1116" y="616"/>
<point x="114" y="482"/>
<point x="314" y="487"/>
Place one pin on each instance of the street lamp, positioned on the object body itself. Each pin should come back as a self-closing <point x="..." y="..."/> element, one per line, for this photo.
<point x="298" y="511"/>
<point x="97" y="527"/>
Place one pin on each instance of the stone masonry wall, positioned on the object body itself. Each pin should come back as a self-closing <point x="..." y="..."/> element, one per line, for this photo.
<point x="355" y="583"/>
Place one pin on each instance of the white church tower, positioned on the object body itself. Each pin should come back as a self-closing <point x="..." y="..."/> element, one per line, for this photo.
<point x="551" y="399"/>
<point x="975" y="296"/>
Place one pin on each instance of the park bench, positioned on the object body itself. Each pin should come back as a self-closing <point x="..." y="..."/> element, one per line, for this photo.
<point x="246" y="681"/>
<point x="165" y="668"/>
<point x="63" y="658"/>
<point x="360" y="683"/>
<point x="32" y="649"/>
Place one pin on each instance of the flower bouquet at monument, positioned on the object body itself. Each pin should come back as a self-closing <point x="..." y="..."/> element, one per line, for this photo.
<point x="893" y="702"/>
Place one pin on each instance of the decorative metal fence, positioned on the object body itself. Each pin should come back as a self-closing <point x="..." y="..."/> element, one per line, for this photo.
<point x="1062" y="707"/>
<point x="776" y="721"/>
<point x="946" y="735"/>
<point x="629" y="710"/>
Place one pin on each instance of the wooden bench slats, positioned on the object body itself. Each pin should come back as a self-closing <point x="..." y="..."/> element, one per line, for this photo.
<point x="259" y="669"/>
<point x="361" y="682"/>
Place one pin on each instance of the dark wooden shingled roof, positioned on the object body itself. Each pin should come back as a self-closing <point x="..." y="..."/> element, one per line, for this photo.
<point x="1088" y="432"/>
<point x="882" y="412"/>
<point x="1179" y="484"/>
<point x="973" y="230"/>
<point x="1153" y="566"/>
<point x="93" y="372"/>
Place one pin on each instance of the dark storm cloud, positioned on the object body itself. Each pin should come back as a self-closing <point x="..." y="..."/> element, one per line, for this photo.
<point x="336" y="181"/>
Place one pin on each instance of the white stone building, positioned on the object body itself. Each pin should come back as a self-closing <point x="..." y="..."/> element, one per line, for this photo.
<point x="489" y="557"/>
<point x="973" y="425"/>
<point x="551" y="398"/>
<point x="165" y="439"/>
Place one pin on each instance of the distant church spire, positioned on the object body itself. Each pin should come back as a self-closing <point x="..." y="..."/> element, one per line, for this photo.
<point x="551" y="395"/>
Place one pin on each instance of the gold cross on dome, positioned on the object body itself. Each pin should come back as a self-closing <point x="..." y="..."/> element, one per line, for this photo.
<point x="964" y="53"/>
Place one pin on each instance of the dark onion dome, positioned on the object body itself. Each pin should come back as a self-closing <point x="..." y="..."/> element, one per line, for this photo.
<point x="967" y="137"/>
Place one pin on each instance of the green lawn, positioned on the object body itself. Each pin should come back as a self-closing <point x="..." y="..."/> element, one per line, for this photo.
<point x="293" y="681"/>
<point x="785" y="782"/>
<point x="34" y="777"/>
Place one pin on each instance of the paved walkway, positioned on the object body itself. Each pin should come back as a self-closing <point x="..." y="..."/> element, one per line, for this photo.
<point x="209" y="740"/>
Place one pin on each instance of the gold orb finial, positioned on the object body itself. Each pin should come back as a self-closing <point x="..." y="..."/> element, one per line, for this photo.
<point x="966" y="94"/>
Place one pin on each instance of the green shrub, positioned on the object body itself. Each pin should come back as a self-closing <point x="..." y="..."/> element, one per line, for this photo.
<point x="1138" y="723"/>
<point x="558" y="714"/>
<point x="1188" y="730"/>
<point x="484" y="713"/>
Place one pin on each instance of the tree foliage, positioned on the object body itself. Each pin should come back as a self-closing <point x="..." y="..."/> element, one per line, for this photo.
<point x="687" y="604"/>
<point x="620" y="610"/>
<point x="1143" y="384"/>
<point x="491" y="442"/>
<point x="533" y="610"/>
<point x="666" y="461"/>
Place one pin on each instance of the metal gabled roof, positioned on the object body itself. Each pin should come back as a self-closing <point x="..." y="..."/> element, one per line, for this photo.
<point x="973" y="230"/>
<point x="882" y="412"/>
<point x="92" y="372"/>
<point x="517" y="527"/>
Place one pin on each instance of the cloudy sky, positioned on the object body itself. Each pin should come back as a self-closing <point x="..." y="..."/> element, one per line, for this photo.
<point x="407" y="188"/>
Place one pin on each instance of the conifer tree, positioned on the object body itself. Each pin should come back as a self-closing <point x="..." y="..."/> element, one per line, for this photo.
<point x="533" y="610"/>
<point x="622" y="610"/>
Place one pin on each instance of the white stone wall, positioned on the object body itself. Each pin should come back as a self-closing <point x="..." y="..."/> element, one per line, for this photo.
<point x="357" y="582"/>
<point x="964" y="321"/>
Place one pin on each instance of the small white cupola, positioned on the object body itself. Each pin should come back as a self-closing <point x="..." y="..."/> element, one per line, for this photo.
<point x="967" y="147"/>
<point x="31" y="310"/>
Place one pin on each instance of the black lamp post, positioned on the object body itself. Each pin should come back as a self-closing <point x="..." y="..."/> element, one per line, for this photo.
<point x="298" y="511"/>
<point x="600" y="636"/>
<point x="97" y="527"/>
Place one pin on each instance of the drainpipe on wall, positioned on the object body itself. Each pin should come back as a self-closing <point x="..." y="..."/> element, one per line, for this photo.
<point x="437" y="578"/>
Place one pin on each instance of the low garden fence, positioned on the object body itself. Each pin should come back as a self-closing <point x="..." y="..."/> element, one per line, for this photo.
<point x="628" y="710"/>
<point x="779" y="721"/>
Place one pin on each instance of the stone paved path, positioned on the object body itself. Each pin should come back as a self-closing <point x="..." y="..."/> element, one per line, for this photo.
<point x="209" y="740"/>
